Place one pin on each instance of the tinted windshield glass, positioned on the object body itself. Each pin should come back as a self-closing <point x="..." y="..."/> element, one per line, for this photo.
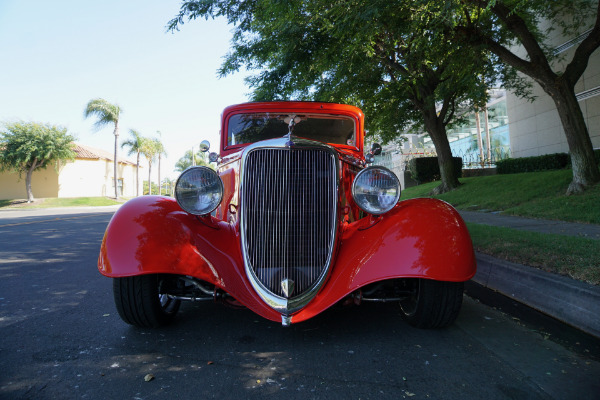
<point x="250" y="128"/>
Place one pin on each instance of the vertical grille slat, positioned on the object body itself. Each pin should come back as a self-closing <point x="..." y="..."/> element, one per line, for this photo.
<point x="289" y="200"/>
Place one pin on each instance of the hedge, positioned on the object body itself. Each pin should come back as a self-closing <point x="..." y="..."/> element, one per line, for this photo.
<point x="427" y="169"/>
<point x="537" y="163"/>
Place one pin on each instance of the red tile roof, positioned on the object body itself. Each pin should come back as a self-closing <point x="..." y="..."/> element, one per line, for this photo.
<point x="91" y="153"/>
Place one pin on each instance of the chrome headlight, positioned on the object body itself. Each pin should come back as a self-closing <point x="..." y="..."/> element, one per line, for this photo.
<point x="376" y="190"/>
<point x="199" y="190"/>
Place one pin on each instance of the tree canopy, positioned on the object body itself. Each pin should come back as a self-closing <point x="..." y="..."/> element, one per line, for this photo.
<point x="393" y="59"/>
<point x="29" y="146"/>
<point x="185" y="162"/>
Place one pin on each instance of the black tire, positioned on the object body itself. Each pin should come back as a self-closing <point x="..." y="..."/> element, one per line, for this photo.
<point x="139" y="303"/>
<point x="432" y="304"/>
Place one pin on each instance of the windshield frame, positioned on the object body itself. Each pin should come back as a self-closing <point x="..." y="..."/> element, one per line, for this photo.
<point x="299" y="108"/>
<point x="336" y="129"/>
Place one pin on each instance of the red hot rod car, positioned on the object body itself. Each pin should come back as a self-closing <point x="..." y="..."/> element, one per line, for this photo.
<point x="292" y="222"/>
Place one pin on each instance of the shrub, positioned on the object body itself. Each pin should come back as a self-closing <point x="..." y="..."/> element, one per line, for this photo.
<point x="427" y="169"/>
<point x="533" y="164"/>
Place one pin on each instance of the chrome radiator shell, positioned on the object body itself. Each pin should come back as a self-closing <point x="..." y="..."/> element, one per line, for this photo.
<point x="288" y="219"/>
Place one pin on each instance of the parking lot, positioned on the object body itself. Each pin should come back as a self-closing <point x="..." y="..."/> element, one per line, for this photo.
<point x="62" y="338"/>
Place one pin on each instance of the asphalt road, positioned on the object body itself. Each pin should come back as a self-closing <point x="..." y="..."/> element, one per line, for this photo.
<point x="61" y="338"/>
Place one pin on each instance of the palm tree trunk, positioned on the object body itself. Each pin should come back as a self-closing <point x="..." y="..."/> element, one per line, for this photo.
<point x="149" y="177"/>
<point x="116" y="133"/>
<point x="137" y="176"/>
<point x="159" y="192"/>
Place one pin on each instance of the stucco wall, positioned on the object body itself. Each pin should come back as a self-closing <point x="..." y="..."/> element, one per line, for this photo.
<point x="44" y="183"/>
<point x="94" y="178"/>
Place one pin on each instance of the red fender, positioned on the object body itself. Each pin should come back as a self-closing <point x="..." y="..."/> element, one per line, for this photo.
<point x="423" y="238"/>
<point x="153" y="235"/>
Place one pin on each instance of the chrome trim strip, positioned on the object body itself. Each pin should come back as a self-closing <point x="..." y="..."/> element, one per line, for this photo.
<point x="281" y="304"/>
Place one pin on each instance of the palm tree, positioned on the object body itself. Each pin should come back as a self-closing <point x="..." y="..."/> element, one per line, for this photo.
<point x="107" y="113"/>
<point x="169" y="183"/>
<point x="135" y="145"/>
<point x="149" y="151"/>
<point x="160" y="151"/>
<point x="186" y="161"/>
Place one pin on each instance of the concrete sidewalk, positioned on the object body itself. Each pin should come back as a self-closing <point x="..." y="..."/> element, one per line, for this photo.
<point x="589" y="231"/>
<point x="573" y="302"/>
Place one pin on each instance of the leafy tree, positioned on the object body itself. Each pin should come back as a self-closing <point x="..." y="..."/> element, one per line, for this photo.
<point x="135" y="145"/>
<point x="150" y="151"/>
<point x="29" y="146"/>
<point x="107" y="114"/>
<point x="394" y="59"/>
<point x="506" y="27"/>
<point x="185" y="162"/>
<point x="160" y="151"/>
<point x="147" y="191"/>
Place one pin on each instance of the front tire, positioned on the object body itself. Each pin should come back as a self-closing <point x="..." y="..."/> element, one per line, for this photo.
<point x="140" y="303"/>
<point x="432" y="304"/>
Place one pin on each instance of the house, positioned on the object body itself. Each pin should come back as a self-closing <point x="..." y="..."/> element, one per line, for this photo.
<point x="89" y="175"/>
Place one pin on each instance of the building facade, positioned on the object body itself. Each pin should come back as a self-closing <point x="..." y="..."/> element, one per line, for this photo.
<point x="89" y="175"/>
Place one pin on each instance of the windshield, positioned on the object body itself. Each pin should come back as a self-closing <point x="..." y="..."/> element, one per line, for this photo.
<point x="250" y="128"/>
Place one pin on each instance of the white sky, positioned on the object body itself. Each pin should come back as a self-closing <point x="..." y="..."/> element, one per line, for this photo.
<point x="57" y="55"/>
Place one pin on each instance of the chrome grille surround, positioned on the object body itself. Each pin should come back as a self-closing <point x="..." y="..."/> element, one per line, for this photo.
<point x="273" y="225"/>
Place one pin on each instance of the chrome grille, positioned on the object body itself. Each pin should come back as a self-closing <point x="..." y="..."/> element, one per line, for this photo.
<point x="289" y="199"/>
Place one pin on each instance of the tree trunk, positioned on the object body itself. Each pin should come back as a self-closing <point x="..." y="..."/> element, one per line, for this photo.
<point x="137" y="176"/>
<point x="116" y="133"/>
<point x="583" y="162"/>
<point x="149" y="177"/>
<point x="28" y="181"/>
<point x="479" y="138"/>
<point x="159" y="193"/>
<point x="437" y="132"/>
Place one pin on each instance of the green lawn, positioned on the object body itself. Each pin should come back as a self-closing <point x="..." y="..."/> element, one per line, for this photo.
<point x="533" y="194"/>
<point x="578" y="258"/>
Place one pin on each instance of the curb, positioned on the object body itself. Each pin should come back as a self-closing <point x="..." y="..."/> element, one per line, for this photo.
<point x="572" y="302"/>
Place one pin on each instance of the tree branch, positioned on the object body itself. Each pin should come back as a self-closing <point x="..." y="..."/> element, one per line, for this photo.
<point x="517" y="25"/>
<point x="580" y="59"/>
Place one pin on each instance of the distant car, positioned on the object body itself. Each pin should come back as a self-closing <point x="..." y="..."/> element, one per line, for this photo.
<point x="292" y="222"/>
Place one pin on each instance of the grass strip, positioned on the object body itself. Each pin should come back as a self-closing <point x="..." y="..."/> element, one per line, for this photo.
<point x="59" y="202"/>
<point x="532" y="194"/>
<point x="578" y="258"/>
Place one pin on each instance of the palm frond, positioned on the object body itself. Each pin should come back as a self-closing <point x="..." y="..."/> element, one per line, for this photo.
<point x="106" y="112"/>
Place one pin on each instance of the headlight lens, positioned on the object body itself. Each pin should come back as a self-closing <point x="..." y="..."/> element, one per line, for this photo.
<point x="199" y="190"/>
<point x="376" y="190"/>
